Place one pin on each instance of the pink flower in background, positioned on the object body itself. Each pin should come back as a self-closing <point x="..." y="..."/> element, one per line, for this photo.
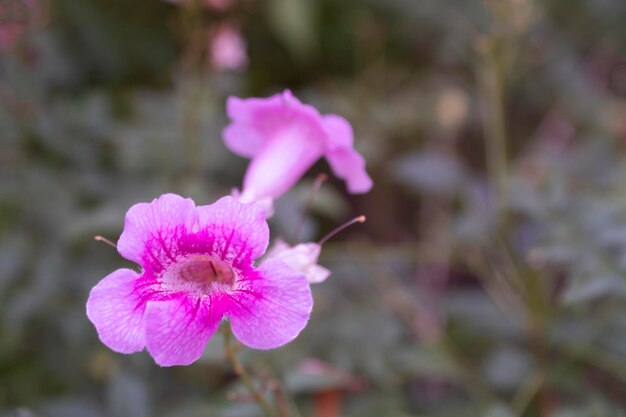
<point x="284" y="138"/>
<point x="9" y="34"/>
<point x="228" y="48"/>
<point x="15" y="16"/>
<point x="209" y="4"/>
<point x="219" y="4"/>
<point x="302" y="257"/>
<point x="197" y="268"/>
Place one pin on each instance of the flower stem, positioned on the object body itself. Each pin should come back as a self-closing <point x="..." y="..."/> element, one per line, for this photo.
<point x="192" y="66"/>
<point x="493" y="81"/>
<point x="230" y="350"/>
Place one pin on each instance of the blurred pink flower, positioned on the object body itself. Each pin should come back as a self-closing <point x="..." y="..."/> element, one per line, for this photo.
<point x="219" y="4"/>
<point x="197" y="268"/>
<point x="14" y="19"/>
<point x="9" y="34"/>
<point x="301" y="257"/>
<point x="210" y="4"/>
<point x="228" y="48"/>
<point x="284" y="138"/>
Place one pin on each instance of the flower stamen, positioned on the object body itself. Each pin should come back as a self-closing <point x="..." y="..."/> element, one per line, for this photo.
<point x="99" y="238"/>
<point x="200" y="273"/>
<point x="358" y="219"/>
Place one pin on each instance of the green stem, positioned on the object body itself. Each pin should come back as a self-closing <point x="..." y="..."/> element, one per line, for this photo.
<point x="493" y="82"/>
<point x="230" y="351"/>
<point x="192" y="66"/>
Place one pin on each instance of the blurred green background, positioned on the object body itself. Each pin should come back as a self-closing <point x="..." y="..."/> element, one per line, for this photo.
<point x="489" y="279"/>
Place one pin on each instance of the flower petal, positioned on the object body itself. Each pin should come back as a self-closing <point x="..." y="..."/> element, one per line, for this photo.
<point x="242" y="140"/>
<point x="244" y="109"/>
<point x="153" y="231"/>
<point x="116" y="309"/>
<point x="282" y="162"/>
<point x="247" y="132"/>
<point x="349" y="165"/>
<point x="284" y="138"/>
<point x="271" y="307"/>
<point x="301" y="257"/>
<point x="317" y="274"/>
<point x="234" y="231"/>
<point x="178" y="330"/>
<point x="339" y="131"/>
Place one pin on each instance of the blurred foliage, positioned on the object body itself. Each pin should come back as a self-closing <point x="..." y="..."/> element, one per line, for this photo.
<point x="489" y="278"/>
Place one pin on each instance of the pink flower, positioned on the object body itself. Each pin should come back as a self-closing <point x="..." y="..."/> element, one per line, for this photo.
<point x="284" y="138"/>
<point x="197" y="268"/>
<point x="219" y="4"/>
<point x="228" y="48"/>
<point x="209" y="4"/>
<point x="10" y="34"/>
<point x="301" y="257"/>
<point x="15" y="17"/>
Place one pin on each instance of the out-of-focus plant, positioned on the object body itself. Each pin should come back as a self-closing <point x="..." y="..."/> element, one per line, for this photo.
<point x="488" y="280"/>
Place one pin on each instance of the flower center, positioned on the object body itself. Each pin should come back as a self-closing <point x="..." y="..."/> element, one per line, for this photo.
<point x="199" y="273"/>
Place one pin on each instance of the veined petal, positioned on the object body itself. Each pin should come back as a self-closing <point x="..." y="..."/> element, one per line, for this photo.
<point x="178" y="330"/>
<point x="236" y="232"/>
<point x="153" y="231"/>
<point x="116" y="309"/>
<point x="271" y="306"/>
<point x="349" y="165"/>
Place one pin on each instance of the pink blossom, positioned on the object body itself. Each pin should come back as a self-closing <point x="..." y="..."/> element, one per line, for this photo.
<point x="197" y="268"/>
<point x="15" y="17"/>
<point x="209" y="4"/>
<point x="284" y="138"/>
<point x="219" y="4"/>
<point x="10" y="33"/>
<point x="228" y="48"/>
<point x="302" y="257"/>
